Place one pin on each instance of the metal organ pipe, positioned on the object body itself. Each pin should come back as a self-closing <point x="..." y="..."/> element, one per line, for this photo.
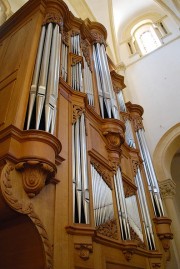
<point x="79" y="172"/>
<point x="102" y="198"/>
<point x="45" y="81"/>
<point x="145" y="210"/>
<point x="150" y="174"/>
<point x="122" y="210"/>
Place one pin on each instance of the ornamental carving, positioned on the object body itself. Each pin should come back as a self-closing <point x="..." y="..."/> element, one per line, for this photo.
<point x="128" y="254"/>
<point x="54" y="18"/>
<point x="84" y="250"/>
<point x="114" y="139"/>
<point x="105" y="173"/>
<point x="165" y="240"/>
<point x="108" y="229"/>
<point x="85" y="49"/>
<point x="156" y="265"/>
<point x="167" y="188"/>
<point x="128" y="190"/>
<point x="35" y="175"/>
<point x="25" y="207"/>
<point x="125" y="116"/>
<point x="135" y="165"/>
<point x="135" y="237"/>
<point x="77" y="112"/>
<point x="65" y="38"/>
<point x="98" y="38"/>
<point x="138" y="124"/>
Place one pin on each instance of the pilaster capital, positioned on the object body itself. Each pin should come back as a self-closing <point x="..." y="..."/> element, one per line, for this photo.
<point x="167" y="188"/>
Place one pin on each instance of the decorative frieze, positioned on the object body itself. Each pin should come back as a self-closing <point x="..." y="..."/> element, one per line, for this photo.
<point x="167" y="188"/>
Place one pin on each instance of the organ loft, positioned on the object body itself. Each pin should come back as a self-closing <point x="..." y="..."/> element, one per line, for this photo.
<point x="77" y="184"/>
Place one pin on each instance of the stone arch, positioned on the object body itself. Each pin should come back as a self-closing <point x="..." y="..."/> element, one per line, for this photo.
<point x="164" y="152"/>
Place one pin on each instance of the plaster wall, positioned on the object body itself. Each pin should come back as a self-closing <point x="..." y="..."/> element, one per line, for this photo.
<point x="153" y="82"/>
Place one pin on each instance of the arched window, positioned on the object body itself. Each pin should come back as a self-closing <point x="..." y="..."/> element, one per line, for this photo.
<point x="147" y="38"/>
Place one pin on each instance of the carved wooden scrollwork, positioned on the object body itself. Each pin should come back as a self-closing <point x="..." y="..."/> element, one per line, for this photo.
<point x="65" y="37"/>
<point x="128" y="190"/>
<point x="98" y="38"/>
<point x="84" y="250"/>
<point x="105" y="173"/>
<point x="108" y="229"/>
<point x="135" y="165"/>
<point x="85" y="49"/>
<point x="53" y="18"/>
<point x="77" y="112"/>
<point x="34" y="175"/>
<point x="137" y="122"/>
<point x="135" y="237"/>
<point x="25" y="207"/>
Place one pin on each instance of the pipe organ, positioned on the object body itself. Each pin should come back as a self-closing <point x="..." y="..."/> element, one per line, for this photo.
<point x="74" y="160"/>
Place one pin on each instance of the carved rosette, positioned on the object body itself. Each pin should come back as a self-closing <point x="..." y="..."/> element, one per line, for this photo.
<point x="84" y="250"/>
<point x="85" y="49"/>
<point x="53" y="17"/>
<point x="25" y="207"/>
<point x="108" y="229"/>
<point x="104" y="172"/>
<point x="128" y="254"/>
<point x="167" y="188"/>
<point x="77" y="112"/>
<point x="35" y="174"/>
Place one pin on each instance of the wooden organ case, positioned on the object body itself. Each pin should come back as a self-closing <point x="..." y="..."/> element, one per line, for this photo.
<point x="78" y="188"/>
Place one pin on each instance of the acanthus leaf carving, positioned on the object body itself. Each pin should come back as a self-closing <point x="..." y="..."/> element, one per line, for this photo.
<point x="84" y="250"/>
<point x="138" y="123"/>
<point x="135" y="166"/>
<point x="53" y="17"/>
<point x="85" y="49"/>
<point x="25" y="207"/>
<point x="77" y="112"/>
<point x="108" y="229"/>
<point x="167" y="188"/>
<point x="35" y="174"/>
<point x="65" y="37"/>
<point x="98" y="38"/>
<point x="128" y="190"/>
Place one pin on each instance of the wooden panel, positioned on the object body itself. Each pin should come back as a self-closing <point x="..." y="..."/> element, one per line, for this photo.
<point x="13" y="49"/>
<point x="120" y="266"/>
<point x="6" y="89"/>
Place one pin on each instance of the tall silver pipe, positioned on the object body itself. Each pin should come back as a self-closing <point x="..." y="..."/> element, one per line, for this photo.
<point x="78" y="170"/>
<point x="34" y="84"/>
<point x="53" y="79"/>
<point x="43" y="74"/>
